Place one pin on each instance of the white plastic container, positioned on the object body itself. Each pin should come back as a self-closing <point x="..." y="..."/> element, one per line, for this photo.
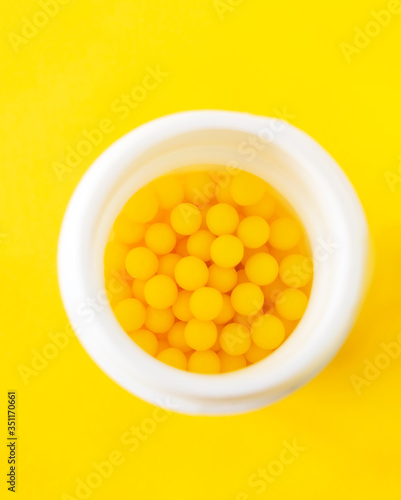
<point x="297" y="167"/>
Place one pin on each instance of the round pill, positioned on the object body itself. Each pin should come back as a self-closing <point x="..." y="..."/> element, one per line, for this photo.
<point x="227" y="311"/>
<point x="248" y="252"/>
<point x="160" y="291"/>
<point x="205" y="362"/>
<point x="185" y="218"/>
<point x="223" y="279"/>
<point x="142" y="206"/>
<point x="255" y="353"/>
<point x="173" y="357"/>
<point x="130" y="313"/>
<point x="141" y="263"/>
<point x="267" y="331"/>
<point x="199" y="188"/>
<point x="199" y="243"/>
<point x="222" y="219"/>
<point x="114" y="256"/>
<point x="160" y="238"/>
<point x="247" y="189"/>
<point x="181" y="308"/>
<point x="227" y="251"/>
<point x="223" y="193"/>
<point x="117" y="290"/>
<point x="167" y="264"/>
<point x="264" y="208"/>
<point x="247" y="299"/>
<point x="296" y="270"/>
<point x="169" y="191"/>
<point x="128" y="231"/>
<point x="235" y="339"/>
<point x="285" y="233"/>
<point x="253" y="231"/>
<point x="206" y="303"/>
<point x="272" y="290"/>
<point x="231" y="363"/>
<point x="261" y="269"/>
<point x="200" y="335"/>
<point x="146" y="340"/>
<point x="159" y="320"/>
<point x="191" y="273"/>
<point x="291" y="303"/>
<point x="176" y="337"/>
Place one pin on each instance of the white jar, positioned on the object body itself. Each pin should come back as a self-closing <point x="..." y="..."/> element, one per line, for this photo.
<point x="297" y="167"/>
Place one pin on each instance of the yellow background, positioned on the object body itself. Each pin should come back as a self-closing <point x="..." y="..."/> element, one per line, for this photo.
<point x="279" y="58"/>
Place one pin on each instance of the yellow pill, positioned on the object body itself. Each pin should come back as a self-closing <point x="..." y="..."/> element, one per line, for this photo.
<point x="146" y="340"/>
<point x="141" y="263"/>
<point x="255" y="353"/>
<point x="264" y="208"/>
<point x="142" y="207"/>
<point x="231" y="363"/>
<point x="227" y="251"/>
<point x="284" y="233"/>
<point x="261" y="269"/>
<point x="272" y="291"/>
<point x="222" y="219"/>
<point x="176" y="337"/>
<point x="181" y="308"/>
<point x="223" y="194"/>
<point x="138" y="289"/>
<point x="253" y="231"/>
<point x="267" y="331"/>
<point x="243" y="320"/>
<point x="248" y="252"/>
<point x="128" y="231"/>
<point x="185" y="218"/>
<point x="191" y="273"/>
<point x="247" y="189"/>
<point x="235" y="339"/>
<point x="206" y="303"/>
<point x="247" y="299"/>
<point x="130" y="313"/>
<point x="200" y="335"/>
<point x="169" y="191"/>
<point x="227" y="311"/>
<point x="199" y="188"/>
<point x="296" y="270"/>
<point x="159" y="320"/>
<point x="167" y="264"/>
<point x="173" y="357"/>
<point x="117" y="289"/>
<point x="291" y="303"/>
<point x="114" y="256"/>
<point x="160" y="291"/>
<point x="223" y="279"/>
<point x="199" y="243"/>
<point x="205" y="362"/>
<point x="160" y="238"/>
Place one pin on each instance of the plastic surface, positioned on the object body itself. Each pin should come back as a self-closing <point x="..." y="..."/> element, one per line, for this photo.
<point x="293" y="164"/>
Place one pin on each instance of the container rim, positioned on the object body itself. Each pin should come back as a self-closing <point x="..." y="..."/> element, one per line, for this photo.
<point x="132" y="367"/>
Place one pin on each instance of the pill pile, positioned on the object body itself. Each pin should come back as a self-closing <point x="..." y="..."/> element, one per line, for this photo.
<point x="208" y="270"/>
